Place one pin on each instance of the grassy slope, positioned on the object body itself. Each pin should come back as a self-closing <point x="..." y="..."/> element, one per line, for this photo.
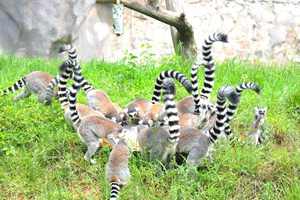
<point x="41" y="157"/>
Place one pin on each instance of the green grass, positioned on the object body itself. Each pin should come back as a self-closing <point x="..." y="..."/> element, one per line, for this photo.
<point x="42" y="158"/>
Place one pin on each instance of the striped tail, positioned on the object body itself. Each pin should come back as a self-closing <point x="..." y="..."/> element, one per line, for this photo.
<point x="215" y="132"/>
<point x="171" y="110"/>
<point x="49" y="90"/>
<point x="195" y="89"/>
<point x="74" y="58"/>
<point x="115" y="189"/>
<point x="16" y="86"/>
<point x="62" y="85"/>
<point x="209" y="65"/>
<point x="72" y="53"/>
<point x="232" y="107"/>
<point x="169" y="74"/>
<point x="72" y="97"/>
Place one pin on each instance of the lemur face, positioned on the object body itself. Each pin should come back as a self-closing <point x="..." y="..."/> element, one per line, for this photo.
<point x="260" y="113"/>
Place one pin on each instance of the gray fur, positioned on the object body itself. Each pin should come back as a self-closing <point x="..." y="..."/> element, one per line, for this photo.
<point x="256" y="132"/>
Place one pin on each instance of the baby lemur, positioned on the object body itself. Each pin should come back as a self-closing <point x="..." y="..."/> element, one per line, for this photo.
<point x="256" y="131"/>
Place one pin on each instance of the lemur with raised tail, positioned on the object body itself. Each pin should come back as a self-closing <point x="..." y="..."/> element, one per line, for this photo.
<point x="97" y="99"/>
<point x="159" y="142"/>
<point x="117" y="170"/>
<point x="63" y="96"/>
<point x="197" y="102"/>
<point x="146" y="112"/>
<point x="197" y="144"/>
<point x="257" y="128"/>
<point x="91" y="128"/>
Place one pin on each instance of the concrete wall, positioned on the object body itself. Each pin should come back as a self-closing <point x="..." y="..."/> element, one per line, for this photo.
<point x="257" y="29"/>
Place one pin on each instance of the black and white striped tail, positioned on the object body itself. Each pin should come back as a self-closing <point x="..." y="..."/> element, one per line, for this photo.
<point x="62" y="85"/>
<point x="115" y="189"/>
<point x="72" y="97"/>
<point x="195" y="89"/>
<point x="83" y="83"/>
<point x="171" y="110"/>
<point x="232" y="107"/>
<point x="209" y="65"/>
<point x="49" y="90"/>
<point x="74" y="59"/>
<point x="72" y="53"/>
<point x="218" y="127"/>
<point x="169" y="74"/>
<point x="16" y="86"/>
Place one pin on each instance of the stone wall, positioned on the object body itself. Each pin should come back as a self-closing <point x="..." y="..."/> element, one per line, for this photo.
<point x="261" y="29"/>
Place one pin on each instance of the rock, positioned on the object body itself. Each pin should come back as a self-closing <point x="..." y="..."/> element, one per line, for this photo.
<point x="256" y="29"/>
<point x="36" y="28"/>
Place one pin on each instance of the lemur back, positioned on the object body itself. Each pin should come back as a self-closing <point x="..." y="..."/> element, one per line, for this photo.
<point x="197" y="143"/>
<point x="117" y="170"/>
<point x="257" y="128"/>
<point x="35" y="83"/>
<point x="161" y="142"/>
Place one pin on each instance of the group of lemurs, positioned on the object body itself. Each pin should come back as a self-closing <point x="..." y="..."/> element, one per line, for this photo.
<point x="163" y="131"/>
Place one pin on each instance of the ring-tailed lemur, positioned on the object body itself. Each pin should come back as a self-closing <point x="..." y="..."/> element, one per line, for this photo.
<point x="160" y="142"/>
<point x="145" y="112"/>
<point x="117" y="170"/>
<point x="97" y="99"/>
<point x="63" y="96"/>
<point x="232" y="107"/>
<point x="35" y="83"/>
<point x="199" y="102"/>
<point x="198" y="143"/>
<point x="90" y="128"/>
<point x="54" y="82"/>
<point x="257" y="128"/>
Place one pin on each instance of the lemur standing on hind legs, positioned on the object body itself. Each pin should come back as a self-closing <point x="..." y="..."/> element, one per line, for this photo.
<point x="257" y="128"/>
<point x="97" y="99"/>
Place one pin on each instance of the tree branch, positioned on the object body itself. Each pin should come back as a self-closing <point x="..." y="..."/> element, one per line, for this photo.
<point x="177" y="20"/>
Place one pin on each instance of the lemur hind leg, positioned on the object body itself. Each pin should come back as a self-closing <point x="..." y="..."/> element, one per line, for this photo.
<point x="92" y="148"/>
<point x="26" y="93"/>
